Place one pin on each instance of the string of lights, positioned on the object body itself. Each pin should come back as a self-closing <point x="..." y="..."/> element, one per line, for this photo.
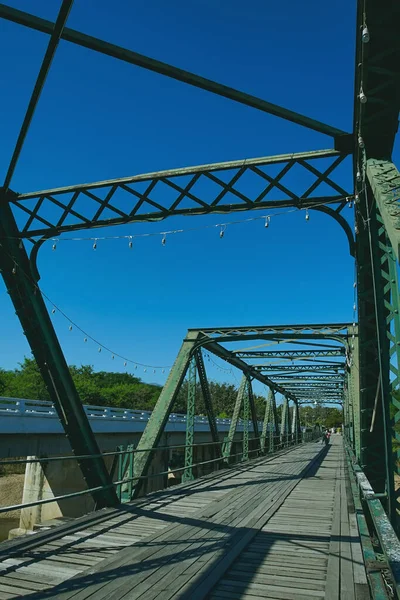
<point x="72" y="324"/>
<point x="221" y="226"/>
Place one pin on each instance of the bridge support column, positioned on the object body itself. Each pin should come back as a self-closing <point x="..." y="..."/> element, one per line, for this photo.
<point x="31" y="310"/>
<point x="191" y="402"/>
<point x="235" y="418"/>
<point x="246" y="417"/>
<point x="379" y="337"/>
<point x="44" y="481"/>
<point x="285" y="422"/>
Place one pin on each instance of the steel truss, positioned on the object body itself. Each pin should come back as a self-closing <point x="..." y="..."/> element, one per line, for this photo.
<point x="367" y="377"/>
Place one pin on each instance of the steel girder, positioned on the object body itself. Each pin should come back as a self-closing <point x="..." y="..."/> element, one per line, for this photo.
<point x="384" y="179"/>
<point x="290" y="354"/>
<point x="342" y="139"/>
<point x="189" y="437"/>
<point x="200" y="190"/>
<point x="377" y="75"/>
<point x="235" y="418"/>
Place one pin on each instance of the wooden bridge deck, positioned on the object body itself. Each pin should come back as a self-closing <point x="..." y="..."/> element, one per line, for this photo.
<point x="281" y="527"/>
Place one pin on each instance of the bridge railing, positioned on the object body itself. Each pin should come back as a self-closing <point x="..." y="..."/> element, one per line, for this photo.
<point x="374" y="524"/>
<point x="42" y="408"/>
<point x="127" y="478"/>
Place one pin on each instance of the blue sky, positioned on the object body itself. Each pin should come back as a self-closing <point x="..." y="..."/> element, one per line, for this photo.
<point x="98" y="119"/>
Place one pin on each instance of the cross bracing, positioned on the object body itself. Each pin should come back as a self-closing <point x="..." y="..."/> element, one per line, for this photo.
<point x="368" y="352"/>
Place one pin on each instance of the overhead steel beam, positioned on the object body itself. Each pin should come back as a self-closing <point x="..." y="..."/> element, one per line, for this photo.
<point x="56" y="33"/>
<point x="176" y="192"/>
<point x="38" y="328"/>
<point x="226" y="355"/>
<point x="289" y="354"/>
<point x="134" y="58"/>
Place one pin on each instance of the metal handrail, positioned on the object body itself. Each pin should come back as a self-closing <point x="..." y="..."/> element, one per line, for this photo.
<point x="43" y="408"/>
<point x="389" y="542"/>
<point x="4" y="509"/>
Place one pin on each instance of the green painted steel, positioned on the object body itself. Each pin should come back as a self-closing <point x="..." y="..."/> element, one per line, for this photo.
<point x="208" y="401"/>
<point x="125" y="471"/>
<point x="159" y="417"/>
<point x="123" y="54"/>
<point x="246" y="419"/>
<point x="191" y="405"/>
<point x="374" y="302"/>
<point x="235" y="418"/>
<point x="253" y="413"/>
<point x="284" y="433"/>
<point x="38" y="328"/>
<point x="384" y="179"/>
<point x="268" y="415"/>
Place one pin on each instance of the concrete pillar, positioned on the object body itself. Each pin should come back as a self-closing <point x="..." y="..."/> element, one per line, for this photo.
<point x="47" y="480"/>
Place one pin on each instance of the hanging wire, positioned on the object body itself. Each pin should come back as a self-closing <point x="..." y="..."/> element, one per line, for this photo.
<point x="222" y="226"/>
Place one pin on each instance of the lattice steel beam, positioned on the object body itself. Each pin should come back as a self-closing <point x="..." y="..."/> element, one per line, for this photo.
<point x="205" y="189"/>
<point x="289" y="354"/>
<point x="384" y="179"/>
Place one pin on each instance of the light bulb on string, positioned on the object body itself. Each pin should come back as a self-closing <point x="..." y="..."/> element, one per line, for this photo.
<point x="307" y="215"/>
<point x="365" y="35"/>
<point x="358" y="176"/>
<point x="95" y="244"/>
<point x="164" y="240"/>
<point x="70" y="327"/>
<point x="222" y="232"/>
<point x="354" y="307"/>
<point x="355" y="284"/>
<point x="85" y="339"/>
<point x="163" y="370"/>
<point x="53" y="311"/>
<point x="130" y="243"/>
<point x="362" y="97"/>
<point x="267" y="220"/>
<point x="360" y="141"/>
<point x="14" y="269"/>
<point x="112" y="357"/>
<point x="54" y="246"/>
<point x="124" y="364"/>
<point x="144" y="370"/>
<point x="154" y="370"/>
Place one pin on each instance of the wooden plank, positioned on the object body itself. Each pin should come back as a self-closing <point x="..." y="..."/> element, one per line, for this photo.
<point x="333" y="569"/>
<point x="144" y="556"/>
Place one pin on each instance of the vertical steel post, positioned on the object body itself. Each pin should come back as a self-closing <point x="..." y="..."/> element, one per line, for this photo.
<point x="246" y="419"/>
<point x="295" y="422"/>
<point x="191" y="402"/>
<point x="374" y="302"/>
<point x="38" y="329"/>
<point x="253" y="413"/>
<point x="284" y="422"/>
<point x="275" y="424"/>
<point x="159" y="416"/>
<point x="235" y="418"/>
<point x="267" y="419"/>
<point x="208" y="401"/>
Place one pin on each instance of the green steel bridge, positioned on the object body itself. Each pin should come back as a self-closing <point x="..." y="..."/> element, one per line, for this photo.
<point x="291" y="518"/>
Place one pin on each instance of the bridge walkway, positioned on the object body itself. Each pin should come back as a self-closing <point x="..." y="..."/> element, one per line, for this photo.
<point x="280" y="527"/>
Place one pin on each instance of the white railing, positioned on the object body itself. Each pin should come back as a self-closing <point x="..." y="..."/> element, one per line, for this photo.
<point x="41" y="408"/>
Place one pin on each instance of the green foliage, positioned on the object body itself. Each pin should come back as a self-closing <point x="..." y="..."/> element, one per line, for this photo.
<point x="123" y="390"/>
<point x="321" y="415"/>
<point x="100" y="388"/>
<point x="223" y="397"/>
